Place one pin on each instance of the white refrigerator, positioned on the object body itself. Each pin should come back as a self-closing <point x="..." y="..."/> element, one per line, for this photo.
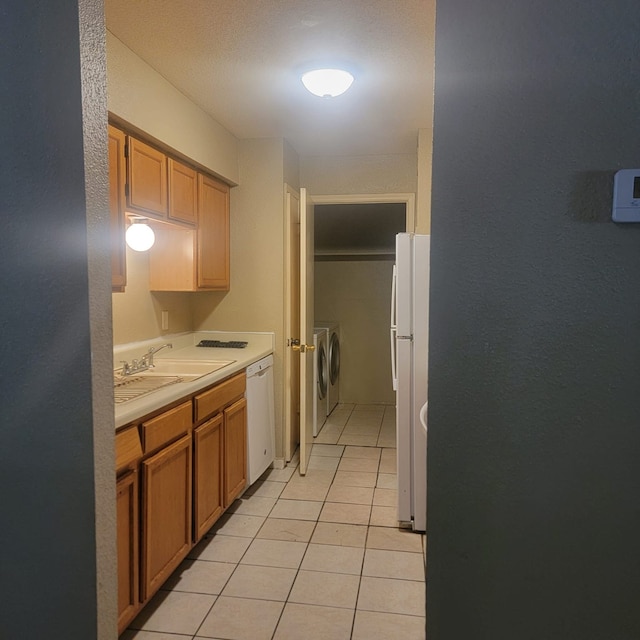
<point x="409" y="353"/>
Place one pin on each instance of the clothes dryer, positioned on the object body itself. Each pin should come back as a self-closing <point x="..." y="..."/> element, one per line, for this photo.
<point x="320" y="379"/>
<point x="333" y="360"/>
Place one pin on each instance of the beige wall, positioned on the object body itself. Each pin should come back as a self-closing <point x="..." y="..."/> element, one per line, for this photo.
<point x="338" y="175"/>
<point x="137" y="311"/>
<point x="256" y="299"/>
<point x="291" y="166"/>
<point x="423" y="196"/>
<point x="143" y="98"/>
<point x="357" y="296"/>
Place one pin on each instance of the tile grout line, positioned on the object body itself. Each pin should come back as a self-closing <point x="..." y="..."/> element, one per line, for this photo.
<point x="284" y="605"/>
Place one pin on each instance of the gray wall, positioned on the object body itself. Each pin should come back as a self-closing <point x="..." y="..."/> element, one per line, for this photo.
<point x="534" y="401"/>
<point x="49" y="408"/>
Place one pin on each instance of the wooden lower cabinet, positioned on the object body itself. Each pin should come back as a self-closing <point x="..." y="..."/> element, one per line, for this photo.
<point x="207" y="474"/>
<point x="127" y="548"/>
<point x="166" y="513"/>
<point x="177" y="472"/>
<point x="235" y="450"/>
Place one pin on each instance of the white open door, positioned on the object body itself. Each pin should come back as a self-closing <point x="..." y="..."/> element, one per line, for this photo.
<point x="291" y="410"/>
<point x="306" y="329"/>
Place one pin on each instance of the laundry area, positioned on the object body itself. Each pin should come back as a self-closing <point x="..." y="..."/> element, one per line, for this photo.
<point x="354" y="257"/>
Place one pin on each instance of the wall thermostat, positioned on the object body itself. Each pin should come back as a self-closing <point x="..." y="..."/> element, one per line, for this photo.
<point x="626" y="196"/>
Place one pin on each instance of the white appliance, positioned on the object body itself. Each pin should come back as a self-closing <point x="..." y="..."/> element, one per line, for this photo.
<point x="333" y="362"/>
<point x="409" y="352"/>
<point x="320" y="377"/>
<point x="261" y="430"/>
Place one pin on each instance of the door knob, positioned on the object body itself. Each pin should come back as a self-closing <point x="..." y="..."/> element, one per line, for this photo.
<point x="302" y="348"/>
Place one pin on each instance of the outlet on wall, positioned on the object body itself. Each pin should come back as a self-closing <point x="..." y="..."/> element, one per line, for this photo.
<point x="165" y="320"/>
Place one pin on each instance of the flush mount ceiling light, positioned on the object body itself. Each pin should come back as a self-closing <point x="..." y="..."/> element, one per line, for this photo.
<point x="327" y="83"/>
<point x="139" y="235"/>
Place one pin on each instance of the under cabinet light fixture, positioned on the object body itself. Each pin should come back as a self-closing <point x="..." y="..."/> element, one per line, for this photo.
<point x="139" y="235"/>
<point x="327" y="83"/>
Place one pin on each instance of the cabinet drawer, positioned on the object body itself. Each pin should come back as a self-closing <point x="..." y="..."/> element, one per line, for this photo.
<point x="214" y="400"/>
<point x="166" y="427"/>
<point x="128" y="448"/>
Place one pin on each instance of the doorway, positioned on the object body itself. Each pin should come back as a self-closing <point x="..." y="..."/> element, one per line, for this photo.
<point x="368" y="269"/>
<point x="354" y="257"/>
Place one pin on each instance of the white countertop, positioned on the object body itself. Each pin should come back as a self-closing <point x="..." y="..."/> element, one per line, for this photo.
<point x="184" y="347"/>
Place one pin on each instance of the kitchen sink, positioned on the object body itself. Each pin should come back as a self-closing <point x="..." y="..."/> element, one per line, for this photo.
<point x="191" y="369"/>
<point x="132" y="387"/>
<point x="163" y="373"/>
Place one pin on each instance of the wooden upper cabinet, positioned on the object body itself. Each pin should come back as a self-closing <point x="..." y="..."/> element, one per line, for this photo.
<point x="147" y="194"/>
<point x="213" y="234"/>
<point x="183" y="193"/>
<point x="191" y="252"/>
<point x="117" y="173"/>
<point x="195" y="259"/>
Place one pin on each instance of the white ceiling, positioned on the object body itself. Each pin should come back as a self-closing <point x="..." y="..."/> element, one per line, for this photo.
<point x="240" y="60"/>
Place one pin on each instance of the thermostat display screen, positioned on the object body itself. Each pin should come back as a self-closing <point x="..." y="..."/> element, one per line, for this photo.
<point x="636" y="187"/>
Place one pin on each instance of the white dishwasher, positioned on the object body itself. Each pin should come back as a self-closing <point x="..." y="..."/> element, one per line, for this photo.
<point x="261" y="433"/>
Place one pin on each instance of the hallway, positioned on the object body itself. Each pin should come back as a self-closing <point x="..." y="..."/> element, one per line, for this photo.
<point x="314" y="557"/>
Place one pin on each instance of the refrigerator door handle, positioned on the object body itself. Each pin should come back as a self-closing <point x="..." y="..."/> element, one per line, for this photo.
<point x="423" y="416"/>
<point x="393" y="331"/>
<point x="394" y="280"/>
<point x="394" y="361"/>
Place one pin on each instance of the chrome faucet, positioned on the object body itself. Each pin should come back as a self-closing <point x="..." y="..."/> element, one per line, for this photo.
<point x="147" y="358"/>
<point x="144" y="363"/>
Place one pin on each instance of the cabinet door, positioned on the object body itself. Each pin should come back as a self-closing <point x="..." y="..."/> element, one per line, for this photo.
<point x="213" y="234"/>
<point x="117" y="179"/>
<point x="127" y="545"/>
<point x="147" y="173"/>
<point x="166" y="513"/>
<point x="207" y="474"/>
<point x="183" y="192"/>
<point x="235" y="450"/>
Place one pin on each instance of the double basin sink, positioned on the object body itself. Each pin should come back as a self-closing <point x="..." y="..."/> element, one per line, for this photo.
<point x="163" y="373"/>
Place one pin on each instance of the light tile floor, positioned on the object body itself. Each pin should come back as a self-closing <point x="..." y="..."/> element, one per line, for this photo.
<point x="318" y="557"/>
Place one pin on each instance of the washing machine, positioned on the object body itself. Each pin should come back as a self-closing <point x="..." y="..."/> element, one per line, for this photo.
<point x="320" y="379"/>
<point x="333" y="362"/>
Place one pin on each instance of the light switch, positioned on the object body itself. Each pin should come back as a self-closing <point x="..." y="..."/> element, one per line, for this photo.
<point x="165" y="320"/>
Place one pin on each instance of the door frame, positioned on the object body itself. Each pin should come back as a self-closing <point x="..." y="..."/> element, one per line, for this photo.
<point x="408" y="199"/>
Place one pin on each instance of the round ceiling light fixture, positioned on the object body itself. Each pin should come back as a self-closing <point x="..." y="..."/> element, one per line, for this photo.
<point x="327" y="83"/>
<point x="139" y="235"/>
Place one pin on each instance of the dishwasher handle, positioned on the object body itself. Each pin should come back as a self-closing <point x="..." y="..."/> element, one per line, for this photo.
<point x="259" y="367"/>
